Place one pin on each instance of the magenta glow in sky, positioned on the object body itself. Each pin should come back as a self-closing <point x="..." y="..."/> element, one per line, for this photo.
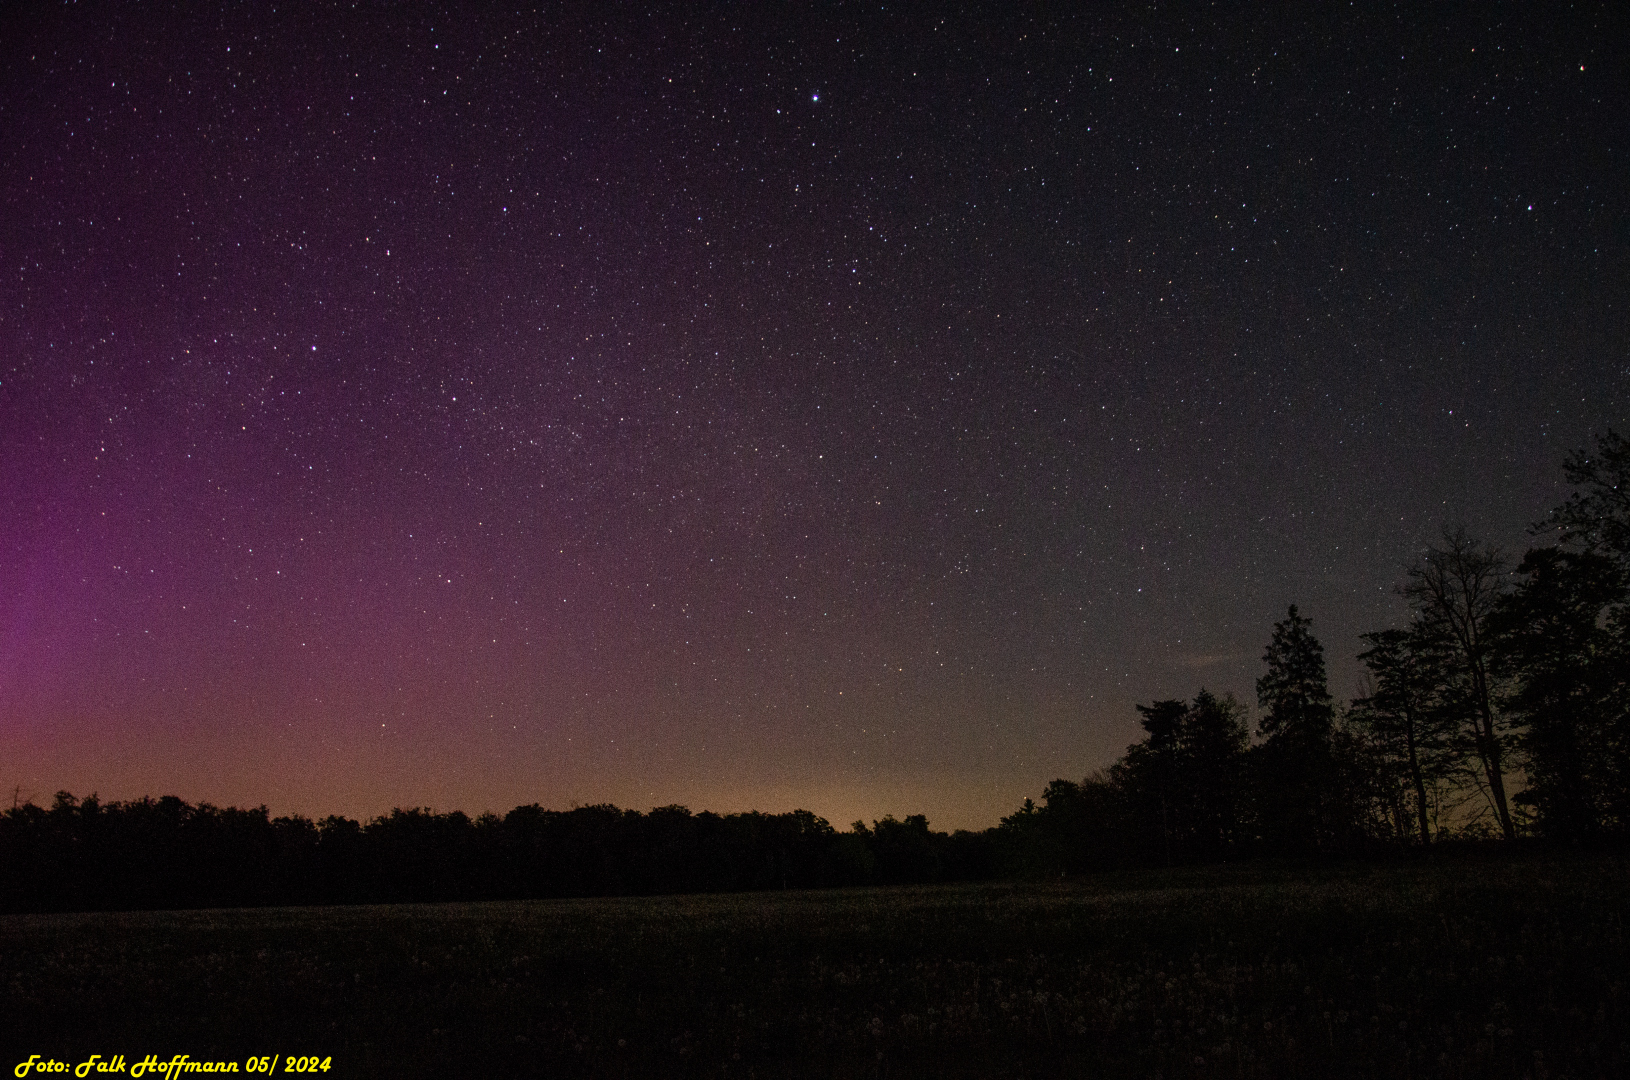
<point x="832" y="410"/>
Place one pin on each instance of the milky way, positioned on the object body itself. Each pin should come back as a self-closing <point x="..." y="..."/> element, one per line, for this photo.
<point x="840" y="408"/>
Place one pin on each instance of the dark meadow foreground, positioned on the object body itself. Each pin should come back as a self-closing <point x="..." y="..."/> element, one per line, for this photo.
<point x="1509" y="966"/>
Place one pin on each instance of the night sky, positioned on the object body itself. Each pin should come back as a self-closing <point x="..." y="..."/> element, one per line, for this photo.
<point x="856" y="408"/>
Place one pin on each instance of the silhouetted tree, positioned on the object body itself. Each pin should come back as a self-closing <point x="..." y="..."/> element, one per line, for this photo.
<point x="906" y="850"/>
<point x="1181" y="785"/>
<point x="1452" y="591"/>
<point x="1294" y="768"/>
<point x="972" y="855"/>
<point x="1558" y="652"/>
<point x="1594" y="524"/>
<point x="1211" y="772"/>
<point x="1596" y="516"/>
<point x="852" y="851"/>
<point x="1407" y="726"/>
<point x="1078" y="828"/>
<point x="1294" y="690"/>
<point x="1151" y="768"/>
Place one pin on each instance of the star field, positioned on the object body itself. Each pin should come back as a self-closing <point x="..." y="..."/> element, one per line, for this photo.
<point x="853" y="408"/>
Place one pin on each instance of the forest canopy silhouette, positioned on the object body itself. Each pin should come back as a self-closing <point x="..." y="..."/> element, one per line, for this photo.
<point x="1501" y="709"/>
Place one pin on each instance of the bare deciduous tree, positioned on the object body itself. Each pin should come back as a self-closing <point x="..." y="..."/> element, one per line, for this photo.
<point x="1453" y="591"/>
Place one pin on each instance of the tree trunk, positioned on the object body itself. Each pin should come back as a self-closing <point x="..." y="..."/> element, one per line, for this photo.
<point x="1417" y="779"/>
<point x="1488" y="748"/>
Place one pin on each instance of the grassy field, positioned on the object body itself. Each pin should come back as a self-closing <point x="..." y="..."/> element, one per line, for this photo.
<point x="1481" y="969"/>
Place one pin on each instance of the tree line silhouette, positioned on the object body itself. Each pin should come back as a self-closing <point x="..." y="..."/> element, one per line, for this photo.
<point x="1501" y="678"/>
<point x="166" y="853"/>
